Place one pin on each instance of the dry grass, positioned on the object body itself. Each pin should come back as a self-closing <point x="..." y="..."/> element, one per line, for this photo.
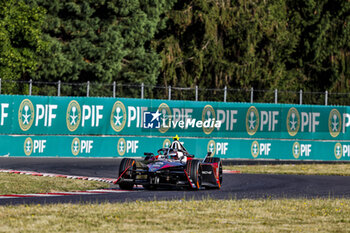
<point x="22" y="184"/>
<point x="296" y="215"/>
<point x="300" y="169"/>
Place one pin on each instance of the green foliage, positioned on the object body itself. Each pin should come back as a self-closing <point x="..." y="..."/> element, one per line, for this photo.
<point x="322" y="52"/>
<point x="20" y="38"/>
<point x="284" y="45"/>
<point x="288" y="45"/>
<point x="219" y="43"/>
<point x="101" y="41"/>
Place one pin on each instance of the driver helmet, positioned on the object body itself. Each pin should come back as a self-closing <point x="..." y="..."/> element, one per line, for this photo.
<point x="173" y="155"/>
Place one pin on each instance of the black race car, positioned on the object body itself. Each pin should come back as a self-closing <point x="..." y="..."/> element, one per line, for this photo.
<point x="165" y="170"/>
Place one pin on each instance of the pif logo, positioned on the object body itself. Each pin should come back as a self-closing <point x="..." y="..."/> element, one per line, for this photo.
<point x="25" y="115"/>
<point x="293" y="121"/>
<point x="75" y="146"/>
<point x="34" y="146"/>
<point x="252" y="120"/>
<point x="208" y="114"/>
<point x="28" y="146"/>
<point x="260" y="149"/>
<point x="166" y="143"/>
<point x="121" y="146"/>
<point x="334" y="123"/>
<point x="211" y="147"/>
<point x="165" y="117"/>
<point x="218" y="148"/>
<point x="81" y="146"/>
<point x="296" y="150"/>
<point x="73" y="115"/>
<point x="338" y="150"/>
<point x="254" y="149"/>
<point x="118" y="116"/>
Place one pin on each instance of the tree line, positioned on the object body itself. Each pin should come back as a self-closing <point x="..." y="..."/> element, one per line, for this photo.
<point x="279" y="44"/>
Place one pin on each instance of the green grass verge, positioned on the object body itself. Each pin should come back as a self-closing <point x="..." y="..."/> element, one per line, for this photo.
<point x="22" y="184"/>
<point x="297" y="169"/>
<point x="284" y="215"/>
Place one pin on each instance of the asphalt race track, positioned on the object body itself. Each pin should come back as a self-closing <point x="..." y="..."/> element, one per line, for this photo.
<point x="235" y="186"/>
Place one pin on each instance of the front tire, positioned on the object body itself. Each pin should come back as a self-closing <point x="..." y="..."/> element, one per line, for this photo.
<point x="194" y="172"/>
<point x="130" y="165"/>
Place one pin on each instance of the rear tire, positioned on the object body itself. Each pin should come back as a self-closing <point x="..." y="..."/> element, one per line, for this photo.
<point x="216" y="160"/>
<point x="220" y="172"/>
<point x="193" y="170"/>
<point x="129" y="174"/>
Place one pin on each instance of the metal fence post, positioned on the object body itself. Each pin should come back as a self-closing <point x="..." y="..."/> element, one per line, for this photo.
<point x="59" y="88"/>
<point x="169" y="93"/>
<point x="59" y="84"/>
<point x="276" y="96"/>
<point x="142" y="90"/>
<point x="88" y="89"/>
<point x="251" y="95"/>
<point x="30" y="86"/>
<point x="225" y="93"/>
<point x="114" y="87"/>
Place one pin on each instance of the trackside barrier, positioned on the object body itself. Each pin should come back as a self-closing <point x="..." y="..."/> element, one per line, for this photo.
<point x="121" y="146"/>
<point x="112" y="127"/>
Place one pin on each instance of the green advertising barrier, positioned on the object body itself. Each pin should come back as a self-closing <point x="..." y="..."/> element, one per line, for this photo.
<point x="115" y="146"/>
<point x="38" y="115"/>
<point x="235" y="130"/>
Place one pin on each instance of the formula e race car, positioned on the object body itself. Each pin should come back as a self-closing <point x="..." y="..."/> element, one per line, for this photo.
<point x="166" y="170"/>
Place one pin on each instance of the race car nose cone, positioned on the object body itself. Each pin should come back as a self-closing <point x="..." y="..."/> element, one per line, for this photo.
<point x="155" y="166"/>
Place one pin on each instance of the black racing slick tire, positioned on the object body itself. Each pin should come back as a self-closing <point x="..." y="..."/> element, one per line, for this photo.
<point x="216" y="160"/>
<point x="194" y="173"/>
<point x="220" y="172"/>
<point x="127" y="168"/>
